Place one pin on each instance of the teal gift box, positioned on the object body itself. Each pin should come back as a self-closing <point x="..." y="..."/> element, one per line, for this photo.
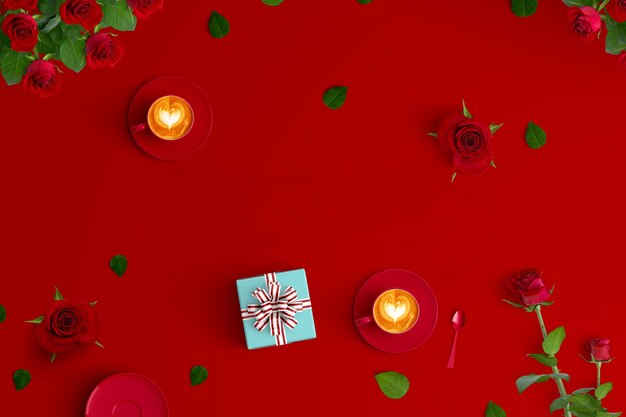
<point x="276" y="309"/>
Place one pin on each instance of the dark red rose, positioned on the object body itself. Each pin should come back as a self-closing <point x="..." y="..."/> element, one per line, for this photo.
<point x="103" y="50"/>
<point x="27" y="5"/>
<point x="599" y="349"/>
<point x="468" y="141"/>
<point x="22" y="31"/>
<point x="584" y="23"/>
<point x="529" y="287"/>
<point x="86" y="13"/>
<point x="617" y="10"/>
<point x="144" y="8"/>
<point x="67" y="324"/>
<point x="42" y="78"/>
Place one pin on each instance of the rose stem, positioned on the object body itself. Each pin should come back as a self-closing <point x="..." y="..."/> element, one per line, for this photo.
<point x="599" y="366"/>
<point x="555" y="369"/>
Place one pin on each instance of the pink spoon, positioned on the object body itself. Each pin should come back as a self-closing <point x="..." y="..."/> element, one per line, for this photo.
<point x="458" y="321"/>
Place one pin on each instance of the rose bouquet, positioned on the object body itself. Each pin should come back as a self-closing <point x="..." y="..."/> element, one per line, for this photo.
<point x="37" y="34"/>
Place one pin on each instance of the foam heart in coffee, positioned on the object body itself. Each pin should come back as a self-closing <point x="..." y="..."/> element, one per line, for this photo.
<point x="170" y="117"/>
<point x="396" y="311"/>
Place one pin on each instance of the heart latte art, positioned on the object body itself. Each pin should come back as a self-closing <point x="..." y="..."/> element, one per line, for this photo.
<point x="396" y="311"/>
<point x="170" y="117"/>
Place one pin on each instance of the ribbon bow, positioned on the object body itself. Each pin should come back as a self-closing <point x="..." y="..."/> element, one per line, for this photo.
<point x="276" y="309"/>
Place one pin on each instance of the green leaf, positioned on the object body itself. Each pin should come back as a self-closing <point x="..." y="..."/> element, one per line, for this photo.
<point x="49" y="7"/>
<point x="72" y="54"/>
<point x="21" y="379"/>
<point x="562" y="376"/>
<point x="526" y="381"/>
<point x="3" y="313"/>
<point x="513" y="304"/>
<point x="38" y="320"/>
<point x="93" y="303"/>
<point x="535" y="136"/>
<point x="13" y="65"/>
<point x="118" y="264"/>
<point x="364" y="1"/>
<point x="335" y="97"/>
<point x="53" y="357"/>
<point x="494" y="410"/>
<point x="559" y="403"/>
<point x="272" y="2"/>
<point x="603" y="390"/>
<point x="198" y="375"/>
<point x="99" y="344"/>
<point x="552" y="342"/>
<point x="584" y="405"/>
<point x="583" y="391"/>
<point x="613" y="46"/>
<point x="453" y="177"/>
<point x="393" y="384"/>
<point x="579" y="3"/>
<point x="544" y="359"/>
<point x="218" y="25"/>
<point x="118" y="15"/>
<point x="466" y="112"/>
<point x="52" y="23"/>
<point x="523" y="8"/>
<point x="57" y="295"/>
<point x="495" y="127"/>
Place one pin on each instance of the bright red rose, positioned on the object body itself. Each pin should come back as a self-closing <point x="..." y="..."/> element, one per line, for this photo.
<point x="86" y="13"/>
<point x="67" y="324"/>
<point x="20" y="4"/>
<point x="617" y="10"/>
<point x="584" y="23"/>
<point x="599" y="349"/>
<point x="468" y="141"/>
<point x="529" y="287"/>
<point x="22" y="31"/>
<point x="103" y="50"/>
<point x="42" y="78"/>
<point x="144" y="8"/>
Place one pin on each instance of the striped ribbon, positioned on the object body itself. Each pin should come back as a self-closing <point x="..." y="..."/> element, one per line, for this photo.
<point x="276" y="309"/>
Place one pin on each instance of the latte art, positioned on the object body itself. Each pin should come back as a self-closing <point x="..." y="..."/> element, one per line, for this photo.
<point x="395" y="311"/>
<point x="170" y="117"/>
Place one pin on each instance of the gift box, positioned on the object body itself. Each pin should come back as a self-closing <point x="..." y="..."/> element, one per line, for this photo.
<point x="276" y="309"/>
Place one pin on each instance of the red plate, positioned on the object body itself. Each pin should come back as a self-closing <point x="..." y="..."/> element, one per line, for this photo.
<point x="171" y="150"/>
<point x="127" y="395"/>
<point x="405" y="280"/>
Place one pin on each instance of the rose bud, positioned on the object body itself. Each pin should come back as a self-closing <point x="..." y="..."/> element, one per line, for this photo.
<point x="86" y="13"/>
<point x="144" y="8"/>
<point x="21" y="30"/>
<point x="67" y="324"/>
<point x="584" y="23"/>
<point x="42" y="78"/>
<point x="617" y="10"/>
<point x="103" y="50"/>
<point x="27" y="5"/>
<point x="599" y="349"/>
<point x="529" y="287"/>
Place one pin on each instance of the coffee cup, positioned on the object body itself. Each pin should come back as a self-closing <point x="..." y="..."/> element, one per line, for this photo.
<point x="394" y="311"/>
<point x="169" y="118"/>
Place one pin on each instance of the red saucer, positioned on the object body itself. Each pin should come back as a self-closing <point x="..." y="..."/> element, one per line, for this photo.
<point x="192" y="141"/>
<point x="405" y="280"/>
<point x="127" y="395"/>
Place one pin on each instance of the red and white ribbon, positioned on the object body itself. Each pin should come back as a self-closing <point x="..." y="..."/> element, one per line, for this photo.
<point x="276" y="309"/>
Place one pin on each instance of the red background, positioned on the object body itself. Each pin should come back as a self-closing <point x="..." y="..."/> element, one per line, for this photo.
<point x="284" y="182"/>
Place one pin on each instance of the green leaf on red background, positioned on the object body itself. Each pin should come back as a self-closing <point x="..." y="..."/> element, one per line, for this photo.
<point x="218" y="25"/>
<point x="72" y="49"/>
<point x="272" y="2"/>
<point x="523" y="8"/>
<point x="38" y="320"/>
<point x="559" y="403"/>
<point x="118" y="15"/>
<point x="21" y="379"/>
<point x="466" y="112"/>
<point x="523" y="382"/>
<point x="494" y="410"/>
<point x="544" y="359"/>
<point x="57" y="295"/>
<point x="495" y="127"/>
<point x="13" y="65"/>
<point x="118" y="264"/>
<point x="535" y="136"/>
<point x="603" y="390"/>
<point x="584" y="405"/>
<point x="579" y="3"/>
<point x="393" y="384"/>
<point x="335" y="97"/>
<point x="552" y="342"/>
<point x="3" y="313"/>
<point x="364" y="1"/>
<point x="198" y="375"/>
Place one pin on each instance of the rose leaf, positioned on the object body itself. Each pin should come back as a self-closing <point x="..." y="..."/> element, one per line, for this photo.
<point x="99" y="344"/>
<point x="523" y="8"/>
<point x="603" y="390"/>
<point x="544" y="359"/>
<point x="495" y="127"/>
<point x="198" y="375"/>
<point x="553" y="341"/>
<point x="72" y="53"/>
<point x="118" y="15"/>
<point x="57" y="295"/>
<point x="535" y="136"/>
<point x="393" y="384"/>
<point x="38" y="320"/>
<point x="466" y="112"/>
<point x="13" y="64"/>
<point x="53" y="357"/>
<point x="523" y="382"/>
<point x="3" y="313"/>
<point x="559" y="403"/>
<point x="118" y="264"/>
<point x="334" y="97"/>
<point x="218" y="25"/>
<point x="272" y="2"/>
<point x="364" y="1"/>
<point x="21" y="379"/>
<point x="494" y="410"/>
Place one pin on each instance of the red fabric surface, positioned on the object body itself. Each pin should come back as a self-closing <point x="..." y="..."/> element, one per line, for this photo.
<point x="284" y="182"/>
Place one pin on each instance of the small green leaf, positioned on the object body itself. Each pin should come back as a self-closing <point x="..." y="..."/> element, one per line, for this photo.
<point x="52" y="23"/>
<point x="526" y="381"/>
<point x="523" y="8"/>
<point x="544" y="359"/>
<point x="364" y="1"/>
<point x="513" y="304"/>
<point x="493" y="164"/>
<point x="433" y="134"/>
<point x="21" y="379"/>
<point x="494" y="410"/>
<point x="57" y="295"/>
<point x="559" y="403"/>
<point x="99" y="344"/>
<point x="334" y="97"/>
<point x="53" y="357"/>
<point x="552" y="342"/>
<point x="3" y="313"/>
<point x="603" y="390"/>
<point x="272" y="2"/>
<point x="218" y="25"/>
<point x="393" y="384"/>
<point x="466" y="112"/>
<point x="118" y="15"/>
<point x="613" y="46"/>
<point x="118" y="264"/>
<point x="38" y="320"/>
<point x="72" y="53"/>
<point x="579" y="3"/>
<point x="48" y="7"/>
<point x="198" y="375"/>
<point x="495" y="127"/>
<point x="582" y="391"/>
<point x="13" y="65"/>
<point x="453" y="177"/>
<point x="535" y="136"/>
<point x="93" y="303"/>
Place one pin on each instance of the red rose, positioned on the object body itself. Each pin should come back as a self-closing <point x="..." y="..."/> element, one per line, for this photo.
<point x="66" y="324"/>
<point x="20" y="4"/>
<point x="529" y="287"/>
<point x="22" y="31"/>
<point x="599" y="349"/>
<point x="617" y="10"/>
<point x="144" y="8"/>
<point x="584" y="22"/>
<point x="469" y="142"/>
<point x="86" y="13"/>
<point x="103" y="50"/>
<point x="42" y="78"/>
